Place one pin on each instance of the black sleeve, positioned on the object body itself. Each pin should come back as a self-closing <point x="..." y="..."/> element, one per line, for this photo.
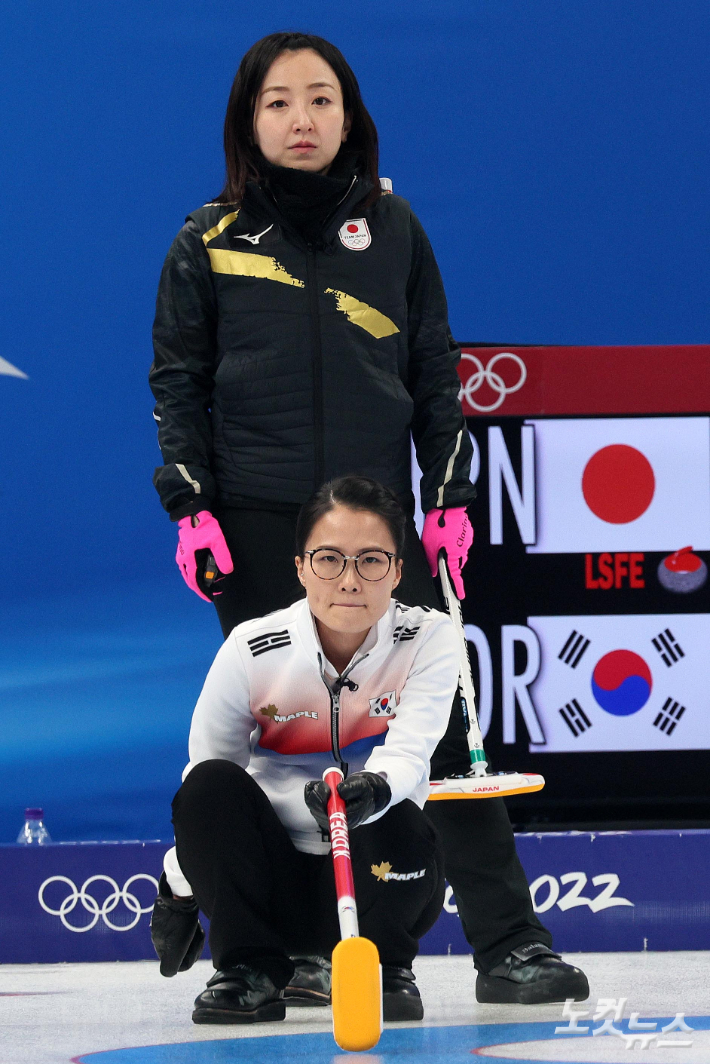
<point x="439" y="430"/>
<point x="181" y="377"/>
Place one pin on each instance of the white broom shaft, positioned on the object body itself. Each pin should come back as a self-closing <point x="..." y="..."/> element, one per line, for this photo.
<point x="466" y="689"/>
<point x="347" y="918"/>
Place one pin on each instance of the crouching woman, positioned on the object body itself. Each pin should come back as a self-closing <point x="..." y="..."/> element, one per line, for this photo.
<point x="347" y="676"/>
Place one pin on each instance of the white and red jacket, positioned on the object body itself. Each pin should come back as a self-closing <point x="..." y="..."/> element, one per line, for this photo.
<point x="274" y="704"/>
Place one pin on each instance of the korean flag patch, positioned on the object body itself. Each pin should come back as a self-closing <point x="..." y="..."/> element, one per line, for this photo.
<point x="384" y="706"/>
<point x="355" y="234"/>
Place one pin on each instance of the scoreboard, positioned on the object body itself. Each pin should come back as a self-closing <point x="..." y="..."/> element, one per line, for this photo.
<point x="587" y="596"/>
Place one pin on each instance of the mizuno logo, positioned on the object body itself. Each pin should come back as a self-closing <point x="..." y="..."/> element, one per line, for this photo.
<point x="271" y="641"/>
<point x="252" y="239"/>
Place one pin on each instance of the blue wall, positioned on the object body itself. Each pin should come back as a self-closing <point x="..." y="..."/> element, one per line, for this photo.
<point x="557" y="154"/>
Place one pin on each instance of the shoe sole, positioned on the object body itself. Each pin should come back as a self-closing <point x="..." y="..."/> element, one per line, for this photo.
<point x="400" y="1007"/>
<point x="305" y="999"/>
<point x="274" y="1010"/>
<point x="498" y="991"/>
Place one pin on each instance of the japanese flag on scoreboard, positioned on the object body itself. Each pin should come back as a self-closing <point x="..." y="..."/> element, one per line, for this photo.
<point x="621" y="484"/>
<point x="622" y="683"/>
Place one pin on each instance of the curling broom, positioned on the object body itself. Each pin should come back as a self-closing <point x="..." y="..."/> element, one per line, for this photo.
<point x="357" y="975"/>
<point x="478" y="783"/>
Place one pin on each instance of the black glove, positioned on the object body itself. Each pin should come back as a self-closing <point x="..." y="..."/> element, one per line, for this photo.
<point x="364" y="794"/>
<point x="175" y="930"/>
<point x="316" y="794"/>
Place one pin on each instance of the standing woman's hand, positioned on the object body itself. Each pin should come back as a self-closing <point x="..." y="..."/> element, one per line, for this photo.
<point x="201" y="533"/>
<point x="451" y="531"/>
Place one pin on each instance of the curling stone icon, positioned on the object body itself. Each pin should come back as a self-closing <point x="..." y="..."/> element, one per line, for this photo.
<point x="682" y="571"/>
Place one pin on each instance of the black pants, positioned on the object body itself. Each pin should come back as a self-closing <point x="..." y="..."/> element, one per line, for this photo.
<point x="480" y="858"/>
<point x="265" y="899"/>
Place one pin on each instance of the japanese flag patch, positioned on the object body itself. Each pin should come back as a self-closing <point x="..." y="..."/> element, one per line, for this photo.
<point x="355" y="234"/>
<point x="384" y="706"/>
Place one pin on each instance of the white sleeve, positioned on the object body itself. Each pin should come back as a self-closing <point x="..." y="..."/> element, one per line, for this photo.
<point x="422" y="715"/>
<point x="221" y="726"/>
<point x="223" y="722"/>
<point x="173" y="873"/>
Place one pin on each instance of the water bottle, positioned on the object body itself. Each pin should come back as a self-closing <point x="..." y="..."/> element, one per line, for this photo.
<point x="34" y="833"/>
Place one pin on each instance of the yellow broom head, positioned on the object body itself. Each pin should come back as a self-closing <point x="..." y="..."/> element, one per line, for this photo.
<point x="357" y="994"/>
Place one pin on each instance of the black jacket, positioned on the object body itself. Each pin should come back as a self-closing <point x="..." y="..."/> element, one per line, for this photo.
<point x="279" y="365"/>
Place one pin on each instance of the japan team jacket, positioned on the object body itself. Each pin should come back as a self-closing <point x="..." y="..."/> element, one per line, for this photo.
<point x="280" y="365"/>
<point x="267" y="706"/>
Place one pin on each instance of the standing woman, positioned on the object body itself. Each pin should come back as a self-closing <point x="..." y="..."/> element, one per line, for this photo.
<point x="301" y="334"/>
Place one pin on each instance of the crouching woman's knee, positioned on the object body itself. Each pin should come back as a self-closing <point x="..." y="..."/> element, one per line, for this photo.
<point x="215" y="785"/>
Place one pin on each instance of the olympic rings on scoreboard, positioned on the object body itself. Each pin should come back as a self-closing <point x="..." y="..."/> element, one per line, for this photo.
<point x="92" y="905"/>
<point x="493" y="380"/>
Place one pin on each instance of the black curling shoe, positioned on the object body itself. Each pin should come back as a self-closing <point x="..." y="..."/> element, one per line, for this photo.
<point x="239" y="995"/>
<point x="310" y="985"/>
<point x="532" y="975"/>
<point x="400" y="995"/>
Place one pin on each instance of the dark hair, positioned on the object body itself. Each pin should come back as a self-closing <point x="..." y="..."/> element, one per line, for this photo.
<point x="358" y="493"/>
<point x="240" y="150"/>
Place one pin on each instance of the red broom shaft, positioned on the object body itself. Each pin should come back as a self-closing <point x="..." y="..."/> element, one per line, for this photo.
<point x="342" y="865"/>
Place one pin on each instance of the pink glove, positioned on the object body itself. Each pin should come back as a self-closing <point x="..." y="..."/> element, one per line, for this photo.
<point x="201" y="532"/>
<point x="452" y="531"/>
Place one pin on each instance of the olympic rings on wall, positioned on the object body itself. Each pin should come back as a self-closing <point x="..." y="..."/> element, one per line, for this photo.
<point x="492" y="379"/>
<point x="92" y="906"/>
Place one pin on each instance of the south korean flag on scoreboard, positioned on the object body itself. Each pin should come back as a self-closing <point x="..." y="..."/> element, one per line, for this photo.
<point x="622" y="683"/>
<point x="622" y="484"/>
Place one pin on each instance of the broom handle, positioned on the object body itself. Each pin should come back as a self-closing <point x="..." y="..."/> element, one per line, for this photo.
<point x="342" y="865"/>
<point x="467" y="694"/>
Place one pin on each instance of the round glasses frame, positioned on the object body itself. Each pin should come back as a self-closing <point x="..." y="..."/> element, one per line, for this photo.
<point x="351" y="558"/>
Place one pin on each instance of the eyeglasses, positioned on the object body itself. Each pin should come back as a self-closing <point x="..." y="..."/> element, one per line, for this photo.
<point x="372" y="565"/>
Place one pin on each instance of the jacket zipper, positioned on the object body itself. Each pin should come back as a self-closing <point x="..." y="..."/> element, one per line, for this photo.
<point x="335" y="724"/>
<point x="317" y="348"/>
<point x="317" y="362"/>
<point x="318" y="410"/>
<point x="334" y="693"/>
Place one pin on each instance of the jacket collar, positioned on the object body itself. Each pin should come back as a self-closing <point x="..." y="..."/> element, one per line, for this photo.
<point x="258" y="204"/>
